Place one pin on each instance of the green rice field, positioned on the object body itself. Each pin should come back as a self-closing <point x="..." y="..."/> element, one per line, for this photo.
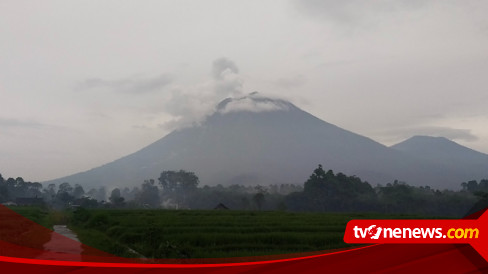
<point x="211" y="234"/>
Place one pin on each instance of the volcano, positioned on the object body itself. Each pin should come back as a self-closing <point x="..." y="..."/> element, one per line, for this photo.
<point x="258" y="140"/>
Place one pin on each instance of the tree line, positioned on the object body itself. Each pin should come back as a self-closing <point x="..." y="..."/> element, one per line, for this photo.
<point x="324" y="191"/>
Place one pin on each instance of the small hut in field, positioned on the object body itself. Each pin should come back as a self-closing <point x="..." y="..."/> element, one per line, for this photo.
<point x="221" y="206"/>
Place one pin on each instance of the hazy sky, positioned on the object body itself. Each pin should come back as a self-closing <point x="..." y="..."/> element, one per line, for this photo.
<point x="83" y="83"/>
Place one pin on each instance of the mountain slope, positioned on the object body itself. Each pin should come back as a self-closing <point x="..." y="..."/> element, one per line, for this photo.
<point x="446" y="155"/>
<point x="257" y="140"/>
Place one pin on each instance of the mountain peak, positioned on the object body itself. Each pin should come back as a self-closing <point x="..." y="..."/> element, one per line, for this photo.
<point x="424" y="140"/>
<point x="430" y="147"/>
<point x="429" y="139"/>
<point x="253" y="102"/>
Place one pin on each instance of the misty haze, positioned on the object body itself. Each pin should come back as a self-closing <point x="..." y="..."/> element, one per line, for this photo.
<point x="211" y="129"/>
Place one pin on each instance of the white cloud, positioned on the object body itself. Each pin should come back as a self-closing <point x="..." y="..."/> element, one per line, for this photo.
<point x="356" y="12"/>
<point x="15" y="123"/>
<point x="135" y="85"/>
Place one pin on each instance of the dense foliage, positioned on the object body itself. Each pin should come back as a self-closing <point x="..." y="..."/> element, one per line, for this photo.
<point x="324" y="191"/>
<point x="329" y="192"/>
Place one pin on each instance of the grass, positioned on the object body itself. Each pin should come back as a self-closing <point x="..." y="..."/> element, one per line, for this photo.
<point x="37" y="214"/>
<point x="212" y="234"/>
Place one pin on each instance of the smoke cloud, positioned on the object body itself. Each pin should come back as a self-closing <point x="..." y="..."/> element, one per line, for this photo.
<point x="226" y="76"/>
<point x="189" y="105"/>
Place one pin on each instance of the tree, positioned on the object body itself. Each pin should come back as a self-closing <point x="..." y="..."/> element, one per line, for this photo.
<point x="326" y="191"/>
<point x="15" y="187"/>
<point x="149" y="195"/>
<point x="116" y="199"/>
<point x="174" y="181"/>
<point x="472" y="186"/>
<point x="483" y="185"/>
<point x="178" y="185"/>
<point x="65" y="187"/>
<point x="99" y="194"/>
<point x="33" y="189"/>
<point x="49" y="193"/>
<point x="64" y="195"/>
<point x="317" y="181"/>
<point x="259" y="197"/>
<point x="4" y="195"/>
<point x="78" y="191"/>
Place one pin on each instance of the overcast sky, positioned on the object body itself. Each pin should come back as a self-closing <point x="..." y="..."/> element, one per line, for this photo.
<point x="83" y="83"/>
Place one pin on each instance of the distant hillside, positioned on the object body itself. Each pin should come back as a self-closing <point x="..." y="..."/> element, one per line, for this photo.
<point x="446" y="155"/>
